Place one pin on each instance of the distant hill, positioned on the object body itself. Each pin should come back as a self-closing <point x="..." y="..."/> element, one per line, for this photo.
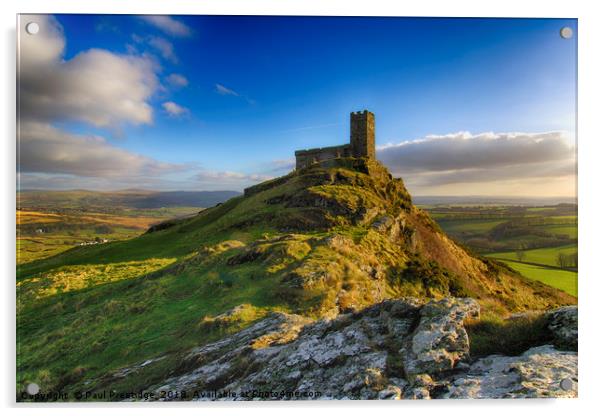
<point x="492" y="200"/>
<point x="202" y="199"/>
<point x="141" y="199"/>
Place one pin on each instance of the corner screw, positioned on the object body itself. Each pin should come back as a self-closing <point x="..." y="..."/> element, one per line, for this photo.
<point x="566" y="32"/>
<point x="32" y="389"/>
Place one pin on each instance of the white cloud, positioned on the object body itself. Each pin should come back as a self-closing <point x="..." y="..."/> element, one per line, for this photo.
<point x="105" y="25"/>
<point x="220" y="89"/>
<point x="96" y="86"/>
<point x="46" y="46"/>
<point x="151" y="45"/>
<point x="168" y="25"/>
<point x="174" y="109"/>
<point x="226" y="176"/>
<point x="206" y="180"/>
<point x="105" y="90"/>
<point x="209" y="179"/>
<point x="177" y="80"/>
<point x="463" y="150"/>
<point x="287" y="164"/>
<point x="165" y="48"/>
<point x="43" y="148"/>
<point x="485" y="163"/>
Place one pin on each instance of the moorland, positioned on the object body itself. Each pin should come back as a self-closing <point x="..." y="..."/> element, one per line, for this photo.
<point x="320" y="242"/>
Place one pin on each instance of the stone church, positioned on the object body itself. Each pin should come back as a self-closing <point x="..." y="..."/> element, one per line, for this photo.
<point x="361" y="143"/>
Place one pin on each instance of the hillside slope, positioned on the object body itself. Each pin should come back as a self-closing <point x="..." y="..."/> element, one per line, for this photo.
<point x="325" y="240"/>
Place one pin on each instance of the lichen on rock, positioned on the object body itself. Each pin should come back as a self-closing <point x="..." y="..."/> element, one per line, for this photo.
<point x="539" y="372"/>
<point x="563" y="325"/>
<point x="396" y="349"/>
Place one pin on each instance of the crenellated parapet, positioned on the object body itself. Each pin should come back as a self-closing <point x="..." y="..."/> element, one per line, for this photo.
<point x="362" y="138"/>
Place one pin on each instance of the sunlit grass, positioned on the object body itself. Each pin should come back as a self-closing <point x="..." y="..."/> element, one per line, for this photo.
<point x="564" y="280"/>
<point x="70" y="278"/>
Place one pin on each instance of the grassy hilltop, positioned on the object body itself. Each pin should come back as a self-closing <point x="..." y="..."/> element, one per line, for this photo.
<point x="323" y="240"/>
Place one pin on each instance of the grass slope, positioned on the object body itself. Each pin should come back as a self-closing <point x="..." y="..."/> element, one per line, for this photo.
<point x="324" y="240"/>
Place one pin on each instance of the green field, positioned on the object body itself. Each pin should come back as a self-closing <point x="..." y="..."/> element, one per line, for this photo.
<point x="468" y="226"/>
<point x="42" y="234"/>
<point x="560" y="279"/>
<point x="543" y="256"/>
<point x="563" y="219"/>
<point x="540" y="232"/>
<point x="540" y="209"/>
<point x="569" y="230"/>
<point x="489" y="228"/>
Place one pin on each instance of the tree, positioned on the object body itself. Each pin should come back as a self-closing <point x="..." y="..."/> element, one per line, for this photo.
<point x="574" y="261"/>
<point x="103" y="229"/>
<point x="520" y="255"/>
<point x="562" y="260"/>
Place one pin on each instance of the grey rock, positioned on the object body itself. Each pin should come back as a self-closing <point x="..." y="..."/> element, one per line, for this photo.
<point x="417" y="393"/>
<point x="123" y="372"/>
<point x="396" y="349"/>
<point x="352" y="356"/>
<point x="538" y="372"/>
<point x="440" y="341"/>
<point x="382" y="223"/>
<point x="390" y="393"/>
<point x="563" y="325"/>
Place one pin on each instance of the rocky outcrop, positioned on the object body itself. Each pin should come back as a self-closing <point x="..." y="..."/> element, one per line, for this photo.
<point x="346" y="357"/>
<point x="539" y="372"/>
<point x="397" y="349"/>
<point x="563" y="325"/>
<point x="440" y="341"/>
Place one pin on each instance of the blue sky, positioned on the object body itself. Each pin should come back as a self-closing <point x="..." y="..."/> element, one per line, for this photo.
<point x="257" y="88"/>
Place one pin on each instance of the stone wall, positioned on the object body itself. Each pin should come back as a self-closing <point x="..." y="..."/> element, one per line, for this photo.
<point x="308" y="157"/>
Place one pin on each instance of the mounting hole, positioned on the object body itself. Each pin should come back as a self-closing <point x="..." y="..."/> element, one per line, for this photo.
<point x="33" y="389"/>
<point x="566" y="32"/>
<point x="32" y="28"/>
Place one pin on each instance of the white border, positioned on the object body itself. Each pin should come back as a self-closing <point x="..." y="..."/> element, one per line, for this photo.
<point x="590" y="203"/>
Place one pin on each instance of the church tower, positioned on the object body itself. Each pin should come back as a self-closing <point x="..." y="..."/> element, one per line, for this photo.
<point x="362" y="134"/>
